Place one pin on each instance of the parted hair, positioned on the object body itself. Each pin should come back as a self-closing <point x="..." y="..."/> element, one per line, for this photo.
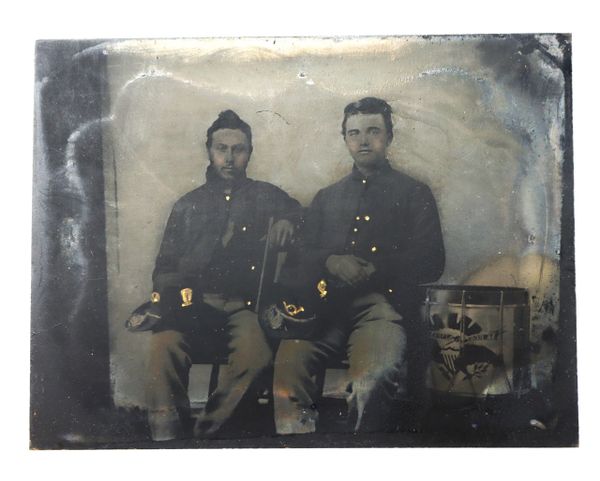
<point x="370" y="105"/>
<point x="228" y="119"/>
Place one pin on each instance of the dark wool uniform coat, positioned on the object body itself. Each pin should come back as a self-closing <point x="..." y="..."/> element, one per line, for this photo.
<point x="192" y="242"/>
<point x="389" y="219"/>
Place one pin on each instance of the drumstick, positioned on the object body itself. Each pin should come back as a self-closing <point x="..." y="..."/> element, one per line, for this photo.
<point x="264" y="264"/>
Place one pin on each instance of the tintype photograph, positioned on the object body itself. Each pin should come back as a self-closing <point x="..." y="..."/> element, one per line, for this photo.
<point x="303" y="242"/>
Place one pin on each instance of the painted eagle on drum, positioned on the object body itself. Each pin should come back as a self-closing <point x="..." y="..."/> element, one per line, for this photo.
<point x="458" y="347"/>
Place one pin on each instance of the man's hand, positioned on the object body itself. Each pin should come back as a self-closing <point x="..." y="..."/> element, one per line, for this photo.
<point x="282" y="233"/>
<point x="350" y="269"/>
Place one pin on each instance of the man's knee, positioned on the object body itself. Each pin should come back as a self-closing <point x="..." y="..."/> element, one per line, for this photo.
<point x="375" y="307"/>
<point x="255" y="361"/>
<point x="248" y="347"/>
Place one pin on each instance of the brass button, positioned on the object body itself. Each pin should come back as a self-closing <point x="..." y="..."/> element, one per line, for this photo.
<point x="374" y="249"/>
<point x="227" y="197"/>
<point x="357" y="217"/>
<point x="322" y="288"/>
<point x="390" y="291"/>
<point x="367" y="218"/>
<point x="244" y="228"/>
<point x="248" y="303"/>
<point x="252" y="268"/>
<point x="353" y="243"/>
<point x="355" y="229"/>
<point x="364" y="181"/>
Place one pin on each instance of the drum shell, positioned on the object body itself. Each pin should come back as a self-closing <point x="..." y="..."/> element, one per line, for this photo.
<point x="480" y="340"/>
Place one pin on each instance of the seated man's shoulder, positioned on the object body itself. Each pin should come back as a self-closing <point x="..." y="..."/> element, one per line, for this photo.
<point x="336" y="187"/>
<point x="262" y="185"/>
<point x="405" y="181"/>
<point x="265" y="188"/>
<point x="394" y="175"/>
<point x="191" y="198"/>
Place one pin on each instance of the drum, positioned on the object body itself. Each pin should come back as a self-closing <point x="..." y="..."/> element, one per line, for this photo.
<point x="480" y="340"/>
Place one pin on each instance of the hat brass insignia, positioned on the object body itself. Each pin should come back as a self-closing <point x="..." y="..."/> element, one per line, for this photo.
<point x="186" y="297"/>
<point x="292" y="310"/>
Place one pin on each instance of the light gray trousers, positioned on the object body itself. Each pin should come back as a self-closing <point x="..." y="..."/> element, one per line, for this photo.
<point x="371" y="336"/>
<point x="171" y="354"/>
<point x="375" y="342"/>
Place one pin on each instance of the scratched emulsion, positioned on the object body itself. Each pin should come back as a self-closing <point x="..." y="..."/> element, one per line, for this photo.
<point x="479" y="119"/>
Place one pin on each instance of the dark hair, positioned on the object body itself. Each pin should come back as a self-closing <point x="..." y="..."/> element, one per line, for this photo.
<point x="370" y="105"/>
<point x="228" y="119"/>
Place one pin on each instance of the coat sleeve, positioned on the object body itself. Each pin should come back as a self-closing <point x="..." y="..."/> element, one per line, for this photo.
<point x="166" y="267"/>
<point x="313" y="253"/>
<point x="284" y="206"/>
<point x="421" y="259"/>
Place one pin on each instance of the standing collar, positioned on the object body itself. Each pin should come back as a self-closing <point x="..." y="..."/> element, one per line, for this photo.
<point x="215" y="181"/>
<point x="384" y="169"/>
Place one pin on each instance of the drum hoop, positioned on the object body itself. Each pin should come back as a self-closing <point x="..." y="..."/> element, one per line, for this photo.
<point x="472" y="288"/>
<point x="481" y="295"/>
<point x="470" y="306"/>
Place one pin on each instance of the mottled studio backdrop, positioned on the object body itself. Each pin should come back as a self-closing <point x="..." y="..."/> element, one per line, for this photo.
<point x="479" y="119"/>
